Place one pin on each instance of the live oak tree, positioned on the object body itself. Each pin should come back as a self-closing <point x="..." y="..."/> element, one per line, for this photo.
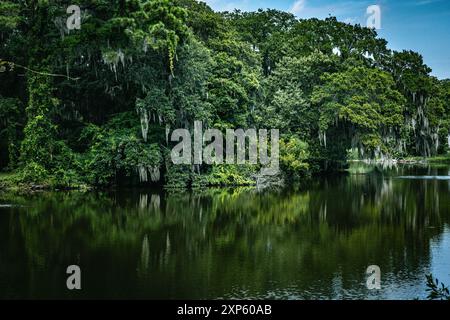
<point x="360" y="108"/>
<point x="92" y="106"/>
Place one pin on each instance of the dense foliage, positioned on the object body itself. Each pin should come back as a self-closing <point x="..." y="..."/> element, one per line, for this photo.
<point x="94" y="105"/>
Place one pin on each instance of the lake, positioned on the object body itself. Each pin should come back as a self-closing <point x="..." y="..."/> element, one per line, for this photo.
<point x="310" y="242"/>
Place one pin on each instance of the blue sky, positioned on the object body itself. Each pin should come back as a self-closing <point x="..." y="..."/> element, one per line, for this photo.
<point x="419" y="25"/>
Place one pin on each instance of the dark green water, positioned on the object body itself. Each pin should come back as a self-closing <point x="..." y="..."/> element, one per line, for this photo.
<point x="311" y="243"/>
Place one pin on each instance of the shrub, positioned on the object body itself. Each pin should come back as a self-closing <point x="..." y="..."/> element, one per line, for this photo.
<point x="33" y="172"/>
<point x="436" y="290"/>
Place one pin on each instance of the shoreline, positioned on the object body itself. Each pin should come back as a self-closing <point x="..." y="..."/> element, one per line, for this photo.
<point x="9" y="180"/>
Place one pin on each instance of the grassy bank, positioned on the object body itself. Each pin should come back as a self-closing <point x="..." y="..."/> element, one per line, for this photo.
<point x="13" y="182"/>
<point x="7" y="181"/>
<point x="441" y="159"/>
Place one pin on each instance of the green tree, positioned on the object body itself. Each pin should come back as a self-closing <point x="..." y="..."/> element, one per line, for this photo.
<point x="365" y="107"/>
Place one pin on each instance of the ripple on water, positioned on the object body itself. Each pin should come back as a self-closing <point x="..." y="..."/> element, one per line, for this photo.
<point x="424" y="177"/>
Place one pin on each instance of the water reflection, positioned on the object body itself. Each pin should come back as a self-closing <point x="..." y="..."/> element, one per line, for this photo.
<point x="313" y="242"/>
<point x="425" y="177"/>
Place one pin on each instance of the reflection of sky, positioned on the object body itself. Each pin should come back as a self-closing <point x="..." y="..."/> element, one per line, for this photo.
<point x="414" y="286"/>
<point x="402" y="285"/>
<point x="419" y="25"/>
<point x="440" y="253"/>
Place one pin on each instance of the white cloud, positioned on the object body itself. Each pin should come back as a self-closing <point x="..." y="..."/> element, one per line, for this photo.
<point x="298" y="6"/>
<point x="425" y="2"/>
<point x="227" y="5"/>
<point x="349" y="11"/>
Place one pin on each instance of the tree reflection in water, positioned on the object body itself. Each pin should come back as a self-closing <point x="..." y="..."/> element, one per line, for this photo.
<point x="311" y="242"/>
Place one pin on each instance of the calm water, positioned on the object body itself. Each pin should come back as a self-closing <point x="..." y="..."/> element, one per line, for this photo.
<point x="314" y="242"/>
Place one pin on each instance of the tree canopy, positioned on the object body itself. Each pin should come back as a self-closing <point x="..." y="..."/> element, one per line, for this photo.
<point x="92" y="106"/>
